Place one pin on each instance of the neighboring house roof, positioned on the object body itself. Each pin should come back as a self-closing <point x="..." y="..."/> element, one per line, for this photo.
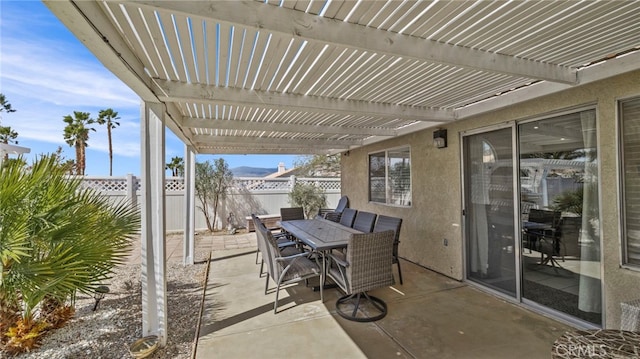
<point x="283" y="172"/>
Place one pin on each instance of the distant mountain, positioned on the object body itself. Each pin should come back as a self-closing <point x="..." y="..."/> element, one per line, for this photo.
<point x="244" y="171"/>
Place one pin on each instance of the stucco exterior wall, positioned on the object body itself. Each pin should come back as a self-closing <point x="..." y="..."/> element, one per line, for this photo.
<point x="436" y="208"/>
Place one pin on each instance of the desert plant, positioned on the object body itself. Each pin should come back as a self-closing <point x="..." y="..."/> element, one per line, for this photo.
<point x="569" y="201"/>
<point x="56" y="239"/>
<point x="308" y="196"/>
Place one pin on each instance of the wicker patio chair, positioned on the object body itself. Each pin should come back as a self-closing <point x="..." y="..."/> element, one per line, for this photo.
<point x="367" y="265"/>
<point x="287" y="269"/>
<point x="364" y="221"/>
<point x="385" y="223"/>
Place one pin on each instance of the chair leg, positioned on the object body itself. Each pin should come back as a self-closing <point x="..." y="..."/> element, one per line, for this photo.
<point x="261" y="268"/>
<point x="355" y="307"/>
<point x="266" y="285"/>
<point x="321" y="285"/>
<point x="399" y="271"/>
<point x="275" y="304"/>
<point x="257" y="252"/>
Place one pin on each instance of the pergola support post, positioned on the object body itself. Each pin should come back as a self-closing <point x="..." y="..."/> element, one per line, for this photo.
<point x="189" y="204"/>
<point x="154" y="285"/>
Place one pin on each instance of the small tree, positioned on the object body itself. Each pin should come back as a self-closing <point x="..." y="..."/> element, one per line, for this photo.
<point x="318" y="165"/>
<point x="212" y="183"/>
<point x="308" y="196"/>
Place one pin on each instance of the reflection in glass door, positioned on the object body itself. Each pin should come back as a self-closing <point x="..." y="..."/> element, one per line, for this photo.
<point x="560" y="222"/>
<point x="489" y="216"/>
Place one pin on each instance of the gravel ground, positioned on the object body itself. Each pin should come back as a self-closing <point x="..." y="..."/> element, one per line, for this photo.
<point x="108" y="332"/>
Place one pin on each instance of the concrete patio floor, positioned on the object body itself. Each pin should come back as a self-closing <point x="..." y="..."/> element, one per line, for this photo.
<point x="429" y="316"/>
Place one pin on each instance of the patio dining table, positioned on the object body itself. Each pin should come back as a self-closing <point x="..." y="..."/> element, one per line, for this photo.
<point x="320" y="234"/>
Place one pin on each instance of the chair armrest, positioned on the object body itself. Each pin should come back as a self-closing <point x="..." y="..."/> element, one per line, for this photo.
<point x="339" y="258"/>
<point x="293" y="256"/>
<point x="286" y="244"/>
<point x="333" y="216"/>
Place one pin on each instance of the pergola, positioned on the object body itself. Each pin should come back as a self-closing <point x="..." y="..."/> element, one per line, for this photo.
<point x="304" y="77"/>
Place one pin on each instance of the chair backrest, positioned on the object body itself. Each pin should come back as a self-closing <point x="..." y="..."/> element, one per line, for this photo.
<point x="385" y="223"/>
<point x="347" y="217"/>
<point x="263" y="247"/>
<point x="545" y="216"/>
<point x="342" y="204"/>
<point x="270" y="250"/>
<point x="370" y="259"/>
<point x="570" y="235"/>
<point x="291" y="213"/>
<point x="364" y="221"/>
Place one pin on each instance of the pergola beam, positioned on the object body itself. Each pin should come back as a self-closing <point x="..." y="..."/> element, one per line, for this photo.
<point x="265" y="150"/>
<point x="174" y="91"/>
<point x="244" y="125"/>
<point x="316" y="28"/>
<point x="275" y="141"/>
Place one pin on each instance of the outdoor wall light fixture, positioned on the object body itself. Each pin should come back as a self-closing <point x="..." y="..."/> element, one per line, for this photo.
<point x="440" y="138"/>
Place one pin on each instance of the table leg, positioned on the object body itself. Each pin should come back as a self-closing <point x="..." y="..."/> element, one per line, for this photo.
<point x="323" y="276"/>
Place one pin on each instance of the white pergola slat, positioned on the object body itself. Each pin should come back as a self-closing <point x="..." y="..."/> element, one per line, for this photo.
<point x="326" y="76"/>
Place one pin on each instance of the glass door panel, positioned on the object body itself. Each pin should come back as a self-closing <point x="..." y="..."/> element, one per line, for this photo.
<point x="558" y="163"/>
<point x="489" y="215"/>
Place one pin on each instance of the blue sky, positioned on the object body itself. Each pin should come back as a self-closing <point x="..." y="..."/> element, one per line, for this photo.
<point x="46" y="74"/>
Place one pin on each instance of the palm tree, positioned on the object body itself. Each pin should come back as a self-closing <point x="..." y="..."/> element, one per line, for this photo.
<point x="107" y="117"/>
<point x="176" y="166"/>
<point x="57" y="239"/>
<point x="7" y="135"/>
<point x="5" y="106"/>
<point x="76" y="134"/>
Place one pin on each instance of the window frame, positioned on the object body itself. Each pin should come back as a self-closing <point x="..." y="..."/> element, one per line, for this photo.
<point x="622" y="162"/>
<point x="388" y="190"/>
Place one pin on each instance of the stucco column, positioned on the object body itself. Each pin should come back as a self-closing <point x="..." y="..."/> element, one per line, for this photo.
<point x="154" y="285"/>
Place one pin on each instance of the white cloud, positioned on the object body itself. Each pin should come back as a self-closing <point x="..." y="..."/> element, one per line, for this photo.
<point x="59" y="78"/>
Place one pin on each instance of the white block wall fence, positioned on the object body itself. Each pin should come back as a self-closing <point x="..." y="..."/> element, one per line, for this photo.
<point x="248" y="195"/>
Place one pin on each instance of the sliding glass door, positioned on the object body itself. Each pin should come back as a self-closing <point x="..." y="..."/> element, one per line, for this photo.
<point x="559" y="200"/>
<point x="543" y="194"/>
<point x="489" y="212"/>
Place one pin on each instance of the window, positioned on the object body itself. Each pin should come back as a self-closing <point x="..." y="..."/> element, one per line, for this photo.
<point x="630" y="150"/>
<point x="390" y="177"/>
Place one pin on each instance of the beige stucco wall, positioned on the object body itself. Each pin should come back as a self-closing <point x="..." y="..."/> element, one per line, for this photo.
<point x="435" y="213"/>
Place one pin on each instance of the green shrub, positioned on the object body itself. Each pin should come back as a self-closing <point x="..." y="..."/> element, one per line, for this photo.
<point x="56" y="239"/>
<point x="308" y="196"/>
